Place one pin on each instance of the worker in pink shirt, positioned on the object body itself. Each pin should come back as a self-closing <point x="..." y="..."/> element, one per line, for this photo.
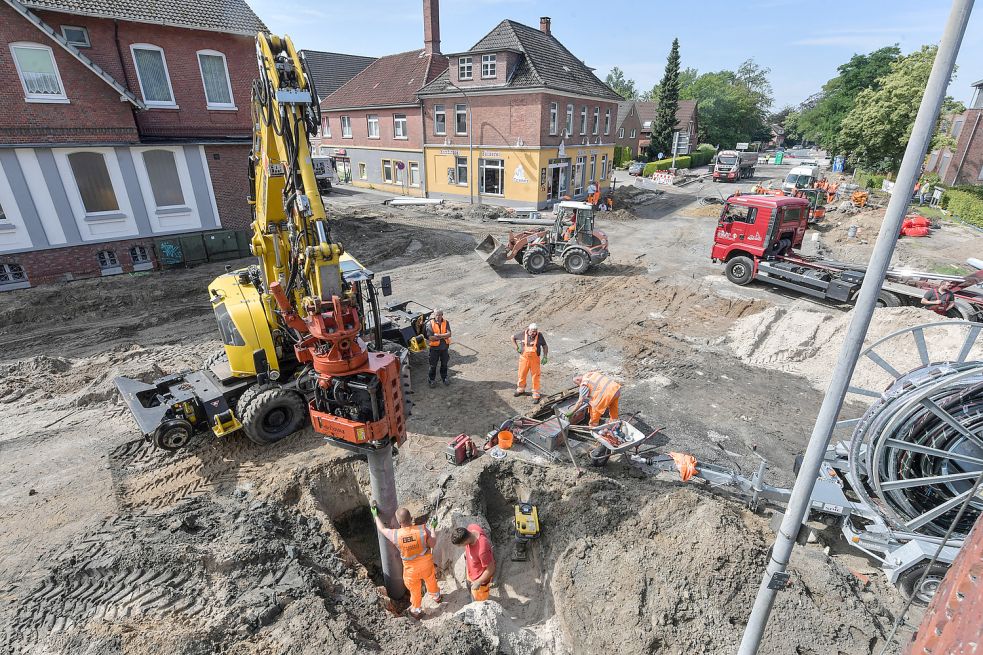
<point x="478" y="557"/>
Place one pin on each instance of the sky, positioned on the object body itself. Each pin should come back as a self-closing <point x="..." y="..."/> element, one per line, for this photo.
<point x="802" y="42"/>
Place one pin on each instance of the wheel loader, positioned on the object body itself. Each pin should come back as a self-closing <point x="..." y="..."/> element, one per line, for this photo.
<point x="571" y="240"/>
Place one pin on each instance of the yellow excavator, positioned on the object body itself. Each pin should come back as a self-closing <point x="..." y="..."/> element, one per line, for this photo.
<point x="294" y="326"/>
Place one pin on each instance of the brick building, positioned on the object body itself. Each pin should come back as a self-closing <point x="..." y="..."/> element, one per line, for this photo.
<point x="331" y="70"/>
<point x="121" y="122"/>
<point x="635" y="130"/>
<point x="517" y="120"/>
<point x="964" y="163"/>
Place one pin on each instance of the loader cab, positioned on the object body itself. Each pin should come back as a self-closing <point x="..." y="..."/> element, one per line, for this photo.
<point x="759" y="226"/>
<point x="574" y="222"/>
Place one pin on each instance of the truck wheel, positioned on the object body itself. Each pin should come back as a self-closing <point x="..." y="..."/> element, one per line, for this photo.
<point x="173" y="434"/>
<point x="888" y="299"/>
<point x="963" y="310"/>
<point x="576" y="261"/>
<point x="921" y="594"/>
<point x="740" y="270"/>
<point x="270" y="413"/>
<point x="535" y="259"/>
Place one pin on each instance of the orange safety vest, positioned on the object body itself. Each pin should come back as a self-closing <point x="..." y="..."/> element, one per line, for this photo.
<point x="412" y="542"/>
<point x="602" y="389"/>
<point x="438" y="328"/>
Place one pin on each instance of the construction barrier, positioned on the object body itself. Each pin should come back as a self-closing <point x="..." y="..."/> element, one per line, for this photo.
<point x="664" y="177"/>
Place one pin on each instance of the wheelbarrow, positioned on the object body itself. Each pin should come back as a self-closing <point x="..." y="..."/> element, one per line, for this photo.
<point x="492" y="251"/>
<point x="613" y="438"/>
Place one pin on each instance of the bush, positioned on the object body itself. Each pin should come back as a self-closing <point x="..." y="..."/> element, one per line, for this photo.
<point x="966" y="205"/>
<point x="867" y="180"/>
<point x="706" y="147"/>
<point x="653" y="166"/>
<point x="622" y="156"/>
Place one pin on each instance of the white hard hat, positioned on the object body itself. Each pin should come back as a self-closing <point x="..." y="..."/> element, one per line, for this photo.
<point x="533" y="326"/>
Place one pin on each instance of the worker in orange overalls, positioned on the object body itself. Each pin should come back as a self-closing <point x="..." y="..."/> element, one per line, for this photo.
<point x="533" y="351"/>
<point x="415" y="545"/>
<point x="600" y="393"/>
<point x="438" y="333"/>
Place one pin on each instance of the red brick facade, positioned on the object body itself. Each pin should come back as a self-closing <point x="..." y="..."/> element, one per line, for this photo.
<point x="228" y="166"/>
<point x="360" y="129"/>
<point x="966" y="165"/>
<point x="77" y="262"/>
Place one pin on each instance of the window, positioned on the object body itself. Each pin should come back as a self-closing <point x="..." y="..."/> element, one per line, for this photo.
<point x="583" y="119"/>
<point x="492" y="176"/>
<point x="607" y="122"/>
<point x="139" y="255"/>
<point x="789" y="215"/>
<point x="604" y="167"/>
<point x="439" y="119"/>
<point x="38" y="73"/>
<point x="215" y="77"/>
<point x="569" y="120"/>
<point x="372" y="125"/>
<point x="362" y="173"/>
<point x="621" y="133"/>
<point x="461" y="119"/>
<point x="957" y="128"/>
<point x="740" y="214"/>
<point x="593" y="168"/>
<point x="633" y="133"/>
<point x="76" y="36"/>
<point x="11" y="274"/>
<point x="387" y="171"/>
<point x="164" y="180"/>
<point x="155" y="84"/>
<point x="462" y="171"/>
<point x="578" y="175"/>
<point x="597" y="120"/>
<point x="554" y="117"/>
<point x="464" y="69"/>
<point x="398" y="167"/>
<point x="414" y="173"/>
<point x="94" y="184"/>
<point x="489" y="66"/>
<point x="107" y="259"/>
<point x="326" y="127"/>
<point x="399" y="126"/>
<point x="346" y="127"/>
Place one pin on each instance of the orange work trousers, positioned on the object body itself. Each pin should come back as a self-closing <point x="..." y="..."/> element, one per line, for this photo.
<point x="529" y="364"/>
<point x="416" y="573"/>
<point x="597" y="412"/>
<point x="481" y="593"/>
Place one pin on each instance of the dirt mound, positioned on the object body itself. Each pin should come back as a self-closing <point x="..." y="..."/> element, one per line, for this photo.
<point x="808" y="342"/>
<point x="629" y="197"/>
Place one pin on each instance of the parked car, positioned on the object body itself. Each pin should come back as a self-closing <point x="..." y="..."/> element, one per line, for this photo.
<point x="636" y="168"/>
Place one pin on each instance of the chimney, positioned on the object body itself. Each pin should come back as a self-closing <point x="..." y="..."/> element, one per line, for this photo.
<point x="431" y="27"/>
<point x="544" y="25"/>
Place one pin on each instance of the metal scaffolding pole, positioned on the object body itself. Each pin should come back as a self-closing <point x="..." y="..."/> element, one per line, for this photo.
<point x="798" y="505"/>
<point x="382" y="481"/>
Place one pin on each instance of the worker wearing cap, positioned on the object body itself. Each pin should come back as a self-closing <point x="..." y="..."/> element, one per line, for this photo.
<point x="478" y="558"/>
<point x="415" y="545"/>
<point x="600" y="393"/>
<point x="940" y="300"/>
<point x="533" y="351"/>
<point x="438" y="331"/>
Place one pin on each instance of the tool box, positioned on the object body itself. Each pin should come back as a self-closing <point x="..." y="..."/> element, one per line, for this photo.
<point x="461" y="450"/>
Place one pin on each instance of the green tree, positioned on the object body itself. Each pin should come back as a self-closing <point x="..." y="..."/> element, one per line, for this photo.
<point x="733" y="105"/>
<point x="686" y="77"/>
<point x="665" y="114"/>
<point x="622" y="86"/>
<point x="875" y="132"/>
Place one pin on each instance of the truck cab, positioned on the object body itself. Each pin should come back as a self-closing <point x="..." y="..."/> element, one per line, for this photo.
<point x="759" y="226"/>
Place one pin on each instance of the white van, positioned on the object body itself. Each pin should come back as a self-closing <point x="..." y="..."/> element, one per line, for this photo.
<point x="800" y="177"/>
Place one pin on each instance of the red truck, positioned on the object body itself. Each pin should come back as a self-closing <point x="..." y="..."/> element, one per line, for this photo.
<point x="757" y="237"/>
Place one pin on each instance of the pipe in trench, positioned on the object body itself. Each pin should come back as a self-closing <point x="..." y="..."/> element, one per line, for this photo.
<point x="382" y="480"/>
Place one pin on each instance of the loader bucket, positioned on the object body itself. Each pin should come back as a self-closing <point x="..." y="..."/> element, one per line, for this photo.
<point x="492" y="251"/>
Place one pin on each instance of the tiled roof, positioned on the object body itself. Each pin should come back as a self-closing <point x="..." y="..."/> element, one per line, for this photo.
<point x="623" y="108"/>
<point x="231" y="16"/>
<point x="546" y="63"/>
<point x="330" y="70"/>
<point x="647" y="110"/>
<point x="389" y="80"/>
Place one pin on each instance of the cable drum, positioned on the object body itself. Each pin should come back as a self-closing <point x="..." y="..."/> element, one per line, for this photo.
<point x="916" y="452"/>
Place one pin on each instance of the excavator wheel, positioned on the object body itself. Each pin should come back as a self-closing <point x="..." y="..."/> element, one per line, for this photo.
<point x="270" y="413"/>
<point x="215" y="357"/>
<point x="535" y="259"/>
<point x="173" y="434"/>
<point x="576" y="261"/>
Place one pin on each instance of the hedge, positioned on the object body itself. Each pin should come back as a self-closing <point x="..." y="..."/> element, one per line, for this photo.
<point x="682" y="161"/>
<point x="966" y="205"/>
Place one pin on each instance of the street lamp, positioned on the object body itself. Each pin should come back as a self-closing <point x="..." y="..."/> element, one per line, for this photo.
<point x="467" y="100"/>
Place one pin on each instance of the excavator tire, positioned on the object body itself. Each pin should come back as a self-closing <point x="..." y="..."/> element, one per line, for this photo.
<point x="269" y="413"/>
<point x="215" y="357"/>
<point x="576" y="261"/>
<point x="535" y="259"/>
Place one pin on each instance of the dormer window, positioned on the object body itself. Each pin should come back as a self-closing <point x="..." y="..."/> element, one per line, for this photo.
<point x="489" y="66"/>
<point x="465" y="69"/>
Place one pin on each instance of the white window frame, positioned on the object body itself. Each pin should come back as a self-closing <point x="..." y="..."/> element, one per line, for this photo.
<point x="62" y="98"/>
<point x="607" y="122"/>
<point x="168" y="217"/>
<point x="583" y="120"/>
<point x="458" y="110"/>
<point x="369" y="119"/>
<point x="143" y="261"/>
<point x="554" y="118"/>
<point x="596" y="125"/>
<point x="457" y="170"/>
<point x="98" y="226"/>
<point x="406" y="127"/>
<point x="604" y="167"/>
<point x="363" y="171"/>
<point x="346" y="122"/>
<point x="326" y="127"/>
<point x="10" y="273"/>
<point x="569" y="125"/>
<point x="414" y="172"/>
<point x="154" y="104"/>
<point x="440" y="112"/>
<point x="482" y="167"/>
<point x="489" y="63"/>
<point x="461" y="63"/>
<point x="579" y="173"/>
<point x="85" y="31"/>
<point x="392" y="171"/>
<point x="593" y="168"/>
<point x="112" y="267"/>
<point x="633" y="133"/>
<point x="213" y="106"/>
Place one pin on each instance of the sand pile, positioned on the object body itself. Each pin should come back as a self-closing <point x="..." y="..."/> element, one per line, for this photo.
<point x="808" y="342"/>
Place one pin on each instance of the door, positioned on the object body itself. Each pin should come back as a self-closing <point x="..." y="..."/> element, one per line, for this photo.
<point x="553" y="187"/>
<point x="344" y="166"/>
<point x="737" y="228"/>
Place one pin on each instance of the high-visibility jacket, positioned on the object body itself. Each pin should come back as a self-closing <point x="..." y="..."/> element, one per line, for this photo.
<point x="438" y="328"/>
<point x="602" y="389"/>
<point x="412" y="542"/>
